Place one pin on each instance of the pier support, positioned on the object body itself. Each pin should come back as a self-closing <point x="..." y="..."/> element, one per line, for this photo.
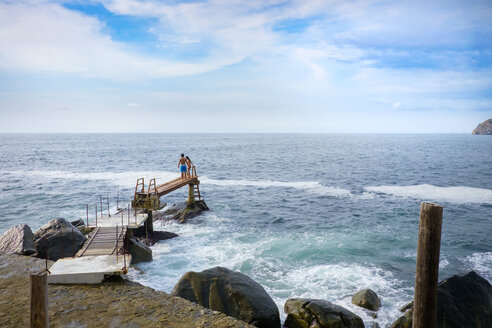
<point x="191" y="194"/>
<point x="39" y="301"/>
<point x="426" y="276"/>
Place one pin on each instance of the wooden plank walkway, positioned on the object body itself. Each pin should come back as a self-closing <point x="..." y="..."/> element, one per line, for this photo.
<point x="103" y="241"/>
<point x="169" y="186"/>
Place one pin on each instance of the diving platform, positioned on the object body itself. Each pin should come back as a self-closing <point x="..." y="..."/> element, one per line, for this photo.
<point x="106" y="251"/>
<point x="150" y="198"/>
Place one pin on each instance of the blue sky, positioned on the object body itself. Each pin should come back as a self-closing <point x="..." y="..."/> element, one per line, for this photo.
<point x="245" y="66"/>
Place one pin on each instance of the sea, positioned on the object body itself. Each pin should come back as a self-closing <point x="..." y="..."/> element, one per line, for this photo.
<point x="304" y="215"/>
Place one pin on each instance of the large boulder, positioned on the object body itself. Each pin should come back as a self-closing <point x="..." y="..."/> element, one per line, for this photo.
<point x="58" y="238"/>
<point x="139" y="251"/>
<point x="311" y="313"/>
<point x="367" y="299"/>
<point x="17" y="240"/>
<point x="462" y="302"/>
<point x="229" y="292"/>
<point x="181" y="212"/>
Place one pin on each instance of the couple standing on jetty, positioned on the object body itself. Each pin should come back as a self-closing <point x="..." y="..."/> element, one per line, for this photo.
<point x="184" y="166"/>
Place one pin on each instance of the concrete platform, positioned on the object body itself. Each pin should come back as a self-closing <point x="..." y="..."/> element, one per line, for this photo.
<point x="115" y="220"/>
<point x="87" y="269"/>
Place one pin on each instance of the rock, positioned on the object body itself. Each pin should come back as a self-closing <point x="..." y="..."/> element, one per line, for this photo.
<point x="310" y="313"/>
<point x="181" y="212"/>
<point x="17" y="240"/>
<point x="407" y="307"/>
<point x="374" y="325"/>
<point x="405" y="321"/>
<point x="58" y="238"/>
<point x="462" y="301"/>
<point x="229" y="292"/>
<point x="155" y="237"/>
<point x="139" y="251"/>
<point x="367" y="299"/>
<point x="484" y="127"/>
<point x="78" y="223"/>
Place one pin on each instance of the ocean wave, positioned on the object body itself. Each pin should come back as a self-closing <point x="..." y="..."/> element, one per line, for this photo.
<point x="309" y="186"/>
<point x="481" y="263"/>
<point x="338" y="282"/>
<point x="128" y="178"/>
<point x="458" y="195"/>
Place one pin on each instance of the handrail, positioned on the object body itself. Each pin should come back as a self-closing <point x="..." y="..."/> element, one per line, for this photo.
<point x="150" y="184"/>
<point x="193" y="171"/>
<point x="136" y="186"/>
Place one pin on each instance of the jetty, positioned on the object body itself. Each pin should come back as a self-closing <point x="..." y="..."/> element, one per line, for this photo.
<point x="106" y="251"/>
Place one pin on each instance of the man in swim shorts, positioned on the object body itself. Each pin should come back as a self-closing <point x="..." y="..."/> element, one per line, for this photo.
<point x="182" y="166"/>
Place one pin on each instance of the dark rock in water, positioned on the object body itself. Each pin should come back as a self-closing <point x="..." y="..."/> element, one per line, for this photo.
<point x="484" y="127"/>
<point x="374" y="325"/>
<point x="58" y="238"/>
<point x="17" y="240"/>
<point x="155" y="237"/>
<point x="181" y="212"/>
<point x="462" y="302"/>
<point x="367" y="299"/>
<point x="139" y="251"/>
<point x="229" y="292"/>
<point x="305" y="312"/>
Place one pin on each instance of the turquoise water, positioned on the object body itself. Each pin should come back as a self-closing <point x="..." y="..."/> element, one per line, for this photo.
<point x="317" y="216"/>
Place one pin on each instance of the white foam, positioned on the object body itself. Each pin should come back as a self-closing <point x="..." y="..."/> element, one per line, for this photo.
<point x="481" y="263"/>
<point x="309" y="186"/>
<point x="458" y="195"/>
<point x="338" y="282"/>
<point x="123" y="179"/>
<point x="128" y="178"/>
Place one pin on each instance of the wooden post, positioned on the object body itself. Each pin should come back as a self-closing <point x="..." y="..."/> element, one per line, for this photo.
<point x="39" y="300"/>
<point x="426" y="276"/>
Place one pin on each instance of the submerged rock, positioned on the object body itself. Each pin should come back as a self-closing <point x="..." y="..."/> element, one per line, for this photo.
<point x="367" y="299"/>
<point x="484" y="127"/>
<point x="229" y="292"/>
<point x="181" y="212"/>
<point x="462" y="302"/>
<point x="17" y="240"/>
<point x="306" y="312"/>
<point x="58" y="238"/>
<point x="139" y="251"/>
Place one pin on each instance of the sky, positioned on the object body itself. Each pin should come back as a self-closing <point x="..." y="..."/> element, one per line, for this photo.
<point x="271" y="66"/>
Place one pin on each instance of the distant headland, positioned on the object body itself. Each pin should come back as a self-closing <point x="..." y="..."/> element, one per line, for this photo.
<point x="484" y="127"/>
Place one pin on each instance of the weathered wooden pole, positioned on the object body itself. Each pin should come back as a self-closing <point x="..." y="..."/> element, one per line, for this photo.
<point x="39" y="300"/>
<point x="429" y="244"/>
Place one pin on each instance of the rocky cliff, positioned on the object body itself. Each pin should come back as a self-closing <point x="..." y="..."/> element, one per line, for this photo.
<point x="484" y="128"/>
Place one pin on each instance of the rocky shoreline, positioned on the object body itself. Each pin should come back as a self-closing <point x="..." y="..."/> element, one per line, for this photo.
<point x="118" y="303"/>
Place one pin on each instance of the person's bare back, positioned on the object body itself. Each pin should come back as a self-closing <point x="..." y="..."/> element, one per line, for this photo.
<point x="182" y="166"/>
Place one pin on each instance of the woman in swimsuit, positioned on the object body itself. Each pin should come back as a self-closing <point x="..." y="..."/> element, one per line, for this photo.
<point x="189" y="164"/>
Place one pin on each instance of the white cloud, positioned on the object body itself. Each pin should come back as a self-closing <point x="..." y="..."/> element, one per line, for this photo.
<point x="47" y="37"/>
